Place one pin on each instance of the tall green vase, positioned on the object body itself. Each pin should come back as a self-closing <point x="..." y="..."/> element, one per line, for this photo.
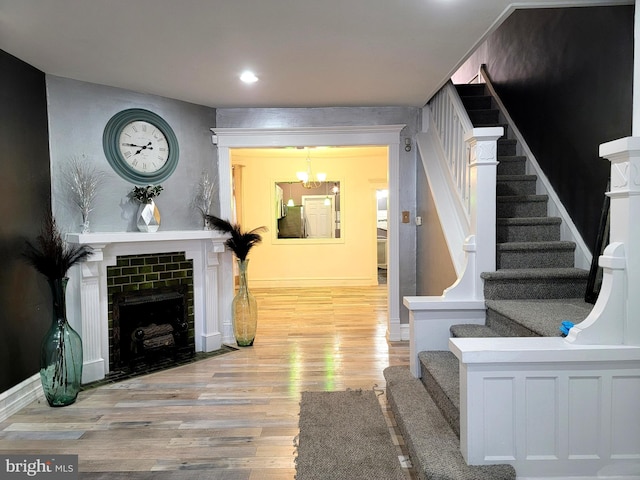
<point x="61" y="354"/>
<point x="244" y="310"/>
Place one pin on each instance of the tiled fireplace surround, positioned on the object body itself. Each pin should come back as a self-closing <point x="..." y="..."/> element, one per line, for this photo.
<point x="88" y="291"/>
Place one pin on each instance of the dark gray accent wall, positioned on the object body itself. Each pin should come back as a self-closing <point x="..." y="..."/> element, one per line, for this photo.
<point x="25" y="190"/>
<point x="565" y="76"/>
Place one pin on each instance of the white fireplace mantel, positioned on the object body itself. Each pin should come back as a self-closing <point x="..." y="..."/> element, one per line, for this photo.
<point x="87" y="294"/>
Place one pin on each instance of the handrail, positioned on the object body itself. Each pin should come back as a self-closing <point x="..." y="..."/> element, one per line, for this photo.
<point x="452" y="123"/>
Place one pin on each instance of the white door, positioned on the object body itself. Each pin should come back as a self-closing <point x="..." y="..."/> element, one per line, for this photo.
<point x="318" y="215"/>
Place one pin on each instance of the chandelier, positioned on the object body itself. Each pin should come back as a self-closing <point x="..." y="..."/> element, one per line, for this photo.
<point x="307" y="178"/>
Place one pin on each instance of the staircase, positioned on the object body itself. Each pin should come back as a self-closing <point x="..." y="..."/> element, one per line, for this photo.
<point x="534" y="288"/>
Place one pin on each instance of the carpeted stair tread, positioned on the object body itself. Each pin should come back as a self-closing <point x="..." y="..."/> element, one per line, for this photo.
<point x="524" y="246"/>
<point x="539" y="254"/>
<point x="534" y="283"/>
<point x="536" y="273"/>
<point x="470" y="330"/>
<point x="514" y="178"/>
<point x="529" y="221"/>
<point x="506" y="147"/>
<point x="511" y="165"/>
<point x="522" y="198"/>
<point x="516" y="185"/>
<point x="484" y="117"/>
<point x="441" y="378"/>
<point x="471" y="89"/>
<point x="433" y="447"/>
<point x="521" y="206"/>
<point x="542" y="317"/>
<point x="512" y="158"/>
<point x="528" y="229"/>
<point x="477" y="102"/>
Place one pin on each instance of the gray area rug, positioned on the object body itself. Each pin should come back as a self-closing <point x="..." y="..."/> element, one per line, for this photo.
<point x="343" y="435"/>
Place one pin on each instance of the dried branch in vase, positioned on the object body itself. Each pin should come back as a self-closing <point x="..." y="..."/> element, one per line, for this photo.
<point x="204" y="197"/>
<point x="83" y="181"/>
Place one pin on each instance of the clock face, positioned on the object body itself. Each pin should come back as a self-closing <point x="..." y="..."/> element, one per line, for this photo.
<point x="140" y="146"/>
<point x="143" y="146"/>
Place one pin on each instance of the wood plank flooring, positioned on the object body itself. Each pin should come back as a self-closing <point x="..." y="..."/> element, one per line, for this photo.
<point x="233" y="417"/>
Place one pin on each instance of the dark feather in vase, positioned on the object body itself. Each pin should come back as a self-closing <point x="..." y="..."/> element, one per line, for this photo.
<point x="51" y="255"/>
<point x="240" y="243"/>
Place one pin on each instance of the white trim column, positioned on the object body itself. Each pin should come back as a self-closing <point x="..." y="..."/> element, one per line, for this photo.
<point x="93" y="330"/>
<point x="215" y="330"/>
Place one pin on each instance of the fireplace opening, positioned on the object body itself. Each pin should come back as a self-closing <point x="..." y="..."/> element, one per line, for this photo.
<point x="150" y="326"/>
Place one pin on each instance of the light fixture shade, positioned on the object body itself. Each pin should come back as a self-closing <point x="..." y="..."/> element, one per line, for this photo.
<point x="291" y="203"/>
<point x="302" y="176"/>
<point x="321" y="177"/>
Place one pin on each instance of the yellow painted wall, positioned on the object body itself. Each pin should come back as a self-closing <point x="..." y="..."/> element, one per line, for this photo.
<point x="350" y="260"/>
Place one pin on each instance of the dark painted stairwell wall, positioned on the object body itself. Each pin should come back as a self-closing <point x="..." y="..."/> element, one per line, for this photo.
<point x="565" y="76"/>
<point x="25" y="192"/>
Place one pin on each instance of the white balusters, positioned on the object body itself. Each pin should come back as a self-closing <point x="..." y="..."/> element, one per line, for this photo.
<point x="452" y="122"/>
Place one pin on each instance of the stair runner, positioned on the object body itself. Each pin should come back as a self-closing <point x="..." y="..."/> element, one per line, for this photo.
<point x="534" y="288"/>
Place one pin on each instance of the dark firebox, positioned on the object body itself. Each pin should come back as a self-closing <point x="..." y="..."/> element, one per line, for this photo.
<point x="150" y="326"/>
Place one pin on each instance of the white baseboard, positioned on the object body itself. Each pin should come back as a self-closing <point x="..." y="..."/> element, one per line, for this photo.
<point x="305" y="282"/>
<point x="20" y="396"/>
<point x="404" y="331"/>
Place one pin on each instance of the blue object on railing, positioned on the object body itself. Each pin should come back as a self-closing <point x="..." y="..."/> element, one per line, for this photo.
<point x="565" y="326"/>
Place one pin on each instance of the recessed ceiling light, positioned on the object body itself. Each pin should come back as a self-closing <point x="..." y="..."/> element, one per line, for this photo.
<point x="248" y="77"/>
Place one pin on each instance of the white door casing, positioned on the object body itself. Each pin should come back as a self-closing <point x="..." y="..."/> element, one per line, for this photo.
<point x="388" y="135"/>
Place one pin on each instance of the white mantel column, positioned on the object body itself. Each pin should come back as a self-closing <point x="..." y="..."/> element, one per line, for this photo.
<point x="93" y="331"/>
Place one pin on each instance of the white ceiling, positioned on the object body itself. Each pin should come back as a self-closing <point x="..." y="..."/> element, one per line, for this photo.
<point x="307" y="53"/>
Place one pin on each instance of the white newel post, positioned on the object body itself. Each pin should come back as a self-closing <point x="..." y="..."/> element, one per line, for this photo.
<point x="431" y="317"/>
<point x="483" y="165"/>
<point x="624" y="155"/>
<point x="614" y="319"/>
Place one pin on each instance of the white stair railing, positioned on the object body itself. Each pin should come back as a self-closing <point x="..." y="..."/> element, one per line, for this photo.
<point x="460" y="164"/>
<point x="452" y="123"/>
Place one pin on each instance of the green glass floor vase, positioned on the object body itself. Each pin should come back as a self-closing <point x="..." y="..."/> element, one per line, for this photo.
<point x="61" y="354"/>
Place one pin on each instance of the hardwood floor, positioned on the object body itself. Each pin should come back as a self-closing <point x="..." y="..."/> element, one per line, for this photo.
<point x="233" y="416"/>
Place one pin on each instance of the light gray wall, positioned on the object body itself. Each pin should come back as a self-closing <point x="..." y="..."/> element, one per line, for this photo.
<point x="78" y="113"/>
<point x="352" y="116"/>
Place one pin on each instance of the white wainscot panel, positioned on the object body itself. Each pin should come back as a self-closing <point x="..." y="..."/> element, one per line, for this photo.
<point x="499" y="419"/>
<point x="625" y="418"/>
<point x="541" y="404"/>
<point x="585" y="397"/>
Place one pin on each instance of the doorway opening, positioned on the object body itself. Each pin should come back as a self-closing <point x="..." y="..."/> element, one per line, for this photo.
<point x="380" y="135"/>
<point x="382" y="209"/>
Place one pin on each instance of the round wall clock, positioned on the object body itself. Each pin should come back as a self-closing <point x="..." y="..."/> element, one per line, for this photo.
<point x="140" y="146"/>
